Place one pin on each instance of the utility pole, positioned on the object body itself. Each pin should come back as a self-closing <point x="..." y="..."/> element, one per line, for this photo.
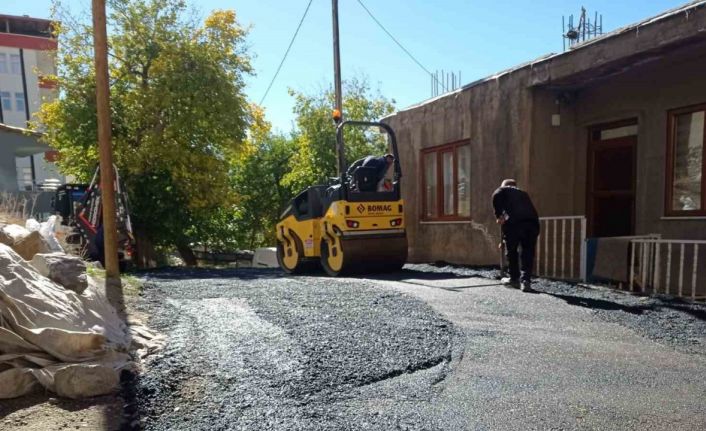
<point x="100" y="46"/>
<point x="338" y="110"/>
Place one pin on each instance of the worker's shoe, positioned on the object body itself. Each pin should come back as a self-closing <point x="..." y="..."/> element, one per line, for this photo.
<point x="527" y="287"/>
<point x="510" y="282"/>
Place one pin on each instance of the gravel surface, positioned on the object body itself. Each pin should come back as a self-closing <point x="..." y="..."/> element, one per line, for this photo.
<point x="679" y="324"/>
<point x="566" y="358"/>
<point x="258" y="350"/>
<point x="255" y="350"/>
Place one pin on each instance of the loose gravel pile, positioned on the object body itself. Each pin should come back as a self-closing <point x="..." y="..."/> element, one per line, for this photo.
<point x="679" y="324"/>
<point x="254" y="350"/>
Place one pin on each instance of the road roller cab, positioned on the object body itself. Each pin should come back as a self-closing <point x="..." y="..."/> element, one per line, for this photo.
<point x="355" y="224"/>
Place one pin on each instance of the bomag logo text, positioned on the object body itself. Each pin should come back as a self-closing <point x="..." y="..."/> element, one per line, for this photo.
<point x="379" y="208"/>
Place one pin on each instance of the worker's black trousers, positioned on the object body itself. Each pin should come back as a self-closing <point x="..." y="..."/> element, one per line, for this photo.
<point x="522" y="236"/>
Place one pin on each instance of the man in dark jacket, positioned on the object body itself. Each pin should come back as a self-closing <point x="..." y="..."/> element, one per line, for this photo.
<point x="516" y="214"/>
<point x="379" y="164"/>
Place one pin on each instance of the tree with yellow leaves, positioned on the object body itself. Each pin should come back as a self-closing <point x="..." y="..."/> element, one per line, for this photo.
<point x="179" y="113"/>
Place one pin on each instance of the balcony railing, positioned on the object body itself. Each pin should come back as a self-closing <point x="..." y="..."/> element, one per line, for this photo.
<point x="561" y="248"/>
<point x="668" y="266"/>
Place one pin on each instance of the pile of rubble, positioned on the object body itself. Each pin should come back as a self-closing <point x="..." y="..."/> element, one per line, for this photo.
<point x="57" y="328"/>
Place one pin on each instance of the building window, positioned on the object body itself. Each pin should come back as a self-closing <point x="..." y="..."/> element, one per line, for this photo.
<point x="20" y="102"/>
<point x="430" y="186"/>
<point x="686" y="191"/>
<point x="25" y="181"/>
<point x="15" y="67"/>
<point x="3" y="63"/>
<point x="6" y="100"/>
<point x="446" y="182"/>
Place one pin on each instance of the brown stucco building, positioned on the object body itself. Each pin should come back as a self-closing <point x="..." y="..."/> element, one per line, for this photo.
<point x="612" y="129"/>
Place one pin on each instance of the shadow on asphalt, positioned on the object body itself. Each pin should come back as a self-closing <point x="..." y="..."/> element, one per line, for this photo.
<point x="688" y="309"/>
<point x="601" y="304"/>
<point x="182" y="273"/>
<point x="405" y="274"/>
<point x="696" y="311"/>
<point x="411" y="276"/>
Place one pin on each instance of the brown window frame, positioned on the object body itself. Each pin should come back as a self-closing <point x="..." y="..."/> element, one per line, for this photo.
<point x="439" y="151"/>
<point x="669" y="180"/>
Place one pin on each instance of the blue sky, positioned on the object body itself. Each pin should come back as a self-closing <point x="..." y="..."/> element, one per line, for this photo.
<point x="477" y="38"/>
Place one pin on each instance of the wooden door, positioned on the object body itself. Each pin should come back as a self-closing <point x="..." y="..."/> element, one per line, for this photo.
<point x="611" y="185"/>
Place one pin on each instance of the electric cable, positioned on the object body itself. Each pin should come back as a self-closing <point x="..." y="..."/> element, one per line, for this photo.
<point x="400" y="45"/>
<point x="291" y="42"/>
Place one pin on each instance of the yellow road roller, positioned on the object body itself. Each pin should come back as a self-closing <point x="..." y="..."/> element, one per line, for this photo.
<point x="352" y="225"/>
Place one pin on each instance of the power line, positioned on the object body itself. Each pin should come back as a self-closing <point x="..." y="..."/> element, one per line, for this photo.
<point x="291" y="42"/>
<point x="400" y="45"/>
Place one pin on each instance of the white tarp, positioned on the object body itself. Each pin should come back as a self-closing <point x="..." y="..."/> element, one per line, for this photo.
<point x="73" y="345"/>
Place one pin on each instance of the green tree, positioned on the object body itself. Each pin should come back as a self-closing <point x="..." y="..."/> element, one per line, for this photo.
<point x="179" y="112"/>
<point x="315" y="136"/>
<point x="273" y="167"/>
<point x="256" y="177"/>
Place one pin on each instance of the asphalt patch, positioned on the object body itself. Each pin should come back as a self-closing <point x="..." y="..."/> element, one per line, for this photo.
<point x="257" y="350"/>
<point x="678" y="324"/>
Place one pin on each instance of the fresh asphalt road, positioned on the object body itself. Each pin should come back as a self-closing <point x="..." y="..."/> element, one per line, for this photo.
<point x="423" y="349"/>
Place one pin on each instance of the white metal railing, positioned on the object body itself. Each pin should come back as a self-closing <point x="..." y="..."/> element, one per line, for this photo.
<point x="654" y="265"/>
<point x="561" y="247"/>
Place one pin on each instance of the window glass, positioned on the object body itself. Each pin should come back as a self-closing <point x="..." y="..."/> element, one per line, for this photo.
<point x="3" y="63"/>
<point x="463" y="161"/>
<point x="6" y="101"/>
<point x="448" y="175"/>
<point x="15" y="64"/>
<point x="20" y="102"/>
<point x="619" y="132"/>
<point x="447" y="182"/>
<point x="25" y="182"/>
<point x="688" y="161"/>
<point x="430" y="184"/>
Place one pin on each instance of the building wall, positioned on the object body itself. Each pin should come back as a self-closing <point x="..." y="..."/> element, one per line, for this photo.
<point x="555" y="158"/>
<point x="8" y="179"/>
<point x="508" y="123"/>
<point x="12" y="83"/>
<point x="559" y="154"/>
<point x="37" y="62"/>
<point x="495" y="117"/>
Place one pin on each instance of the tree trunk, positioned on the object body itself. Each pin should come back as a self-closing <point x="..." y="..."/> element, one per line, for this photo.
<point x="146" y="256"/>
<point x="187" y="255"/>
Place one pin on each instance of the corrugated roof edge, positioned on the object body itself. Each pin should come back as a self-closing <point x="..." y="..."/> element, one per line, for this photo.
<point x="20" y="130"/>
<point x="26" y="18"/>
<point x="664" y="15"/>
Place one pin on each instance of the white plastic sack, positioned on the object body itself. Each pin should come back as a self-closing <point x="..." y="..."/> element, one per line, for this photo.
<point x="47" y="230"/>
<point x="32" y="225"/>
<point x="55" y="338"/>
<point x="12" y="233"/>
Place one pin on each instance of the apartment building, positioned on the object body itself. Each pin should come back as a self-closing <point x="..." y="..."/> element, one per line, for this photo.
<point x="27" y="59"/>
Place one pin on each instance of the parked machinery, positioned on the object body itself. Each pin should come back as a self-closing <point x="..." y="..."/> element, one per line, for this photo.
<point x="349" y="226"/>
<point x="81" y="209"/>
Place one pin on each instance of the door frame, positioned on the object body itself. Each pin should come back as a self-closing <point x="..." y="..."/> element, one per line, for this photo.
<point x="592" y="145"/>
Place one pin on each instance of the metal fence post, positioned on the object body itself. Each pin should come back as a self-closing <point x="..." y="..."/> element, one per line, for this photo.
<point x="693" y="274"/>
<point x="632" y="264"/>
<point x="583" y="250"/>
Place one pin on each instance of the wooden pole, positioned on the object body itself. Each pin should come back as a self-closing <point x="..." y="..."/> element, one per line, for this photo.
<point x="338" y="92"/>
<point x="100" y="44"/>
